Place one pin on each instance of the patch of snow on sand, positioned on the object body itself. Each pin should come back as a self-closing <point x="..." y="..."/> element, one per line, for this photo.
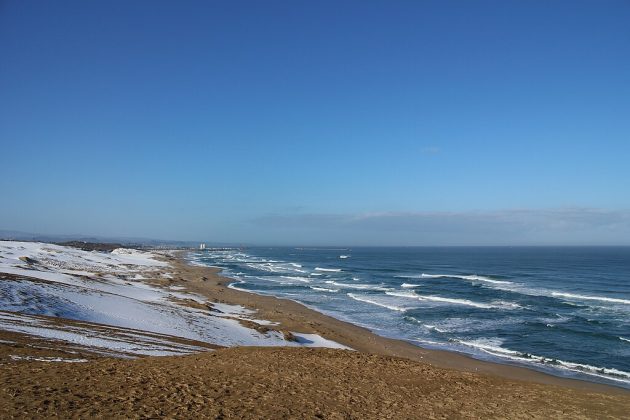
<point x="64" y="289"/>
<point x="47" y="359"/>
<point x="314" y="340"/>
<point x="123" y="343"/>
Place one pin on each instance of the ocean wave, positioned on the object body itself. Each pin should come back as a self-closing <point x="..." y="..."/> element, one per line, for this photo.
<point x="624" y="339"/>
<point x="466" y="325"/>
<point x="465" y="302"/>
<point x="506" y="305"/>
<point x="273" y="266"/>
<point x="323" y="289"/>
<point x="329" y="270"/>
<point x="409" y="285"/>
<point x="265" y="267"/>
<point x="373" y="302"/>
<point x="234" y="286"/>
<point x="586" y="297"/>
<point x="491" y="347"/>
<point x="433" y="327"/>
<point x="472" y="277"/>
<point x="298" y="278"/>
<point x="426" y="342"/>
<point x="357" y="285"/>
<point x="403" y="294"/>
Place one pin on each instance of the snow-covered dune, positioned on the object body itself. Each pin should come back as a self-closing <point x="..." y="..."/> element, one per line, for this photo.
<point x="111" y="289"/>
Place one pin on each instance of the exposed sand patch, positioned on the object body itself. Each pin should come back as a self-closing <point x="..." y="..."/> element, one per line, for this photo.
<point x="283" y="383"/>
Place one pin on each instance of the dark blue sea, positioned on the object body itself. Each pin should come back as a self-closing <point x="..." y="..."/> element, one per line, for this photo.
<point x="561" y="310"/>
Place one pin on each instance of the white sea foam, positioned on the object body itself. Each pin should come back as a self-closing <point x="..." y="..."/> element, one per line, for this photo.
<point x="433" y="327"/>
<point x="265" y="267"/>
<point x="403" y="294"/>
<point x="296" y="265"/>
<point x="429" y="342"/>
<point x="464" y="302"/>
<point x="504" y="304"/>
<point x="343" y="257"/>
<point x="625" y="339"/>
<point x="586" y="297"/>
<point x="323" y="289"/>
<point x="509" y="286"/>
<point x="494" y="348"/>
<point x="373" y="302"/>
<point x="453" y="301"/>
<point x="489" y="345"/>
<point x="298" y="278"/>
<point x="472" y="277"/>
<point x="409" y="285"/>
<point x="235" y="287"/>
<point x="356" y="285"/>
<point x="330" y="270"/>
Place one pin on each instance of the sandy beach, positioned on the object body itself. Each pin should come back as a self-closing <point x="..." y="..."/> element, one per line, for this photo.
<point x="381" y="378"/>
<point x="296" y="317"/>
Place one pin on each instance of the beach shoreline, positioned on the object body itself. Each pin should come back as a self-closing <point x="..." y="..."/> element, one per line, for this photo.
<point x="295" y="316"/>
<point x="295" y="363"/>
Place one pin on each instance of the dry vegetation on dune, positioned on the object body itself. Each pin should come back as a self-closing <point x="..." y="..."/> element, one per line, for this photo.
<point x="282" y="383"/>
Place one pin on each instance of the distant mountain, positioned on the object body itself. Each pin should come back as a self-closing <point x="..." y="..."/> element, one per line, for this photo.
<point x="38" y="237"/>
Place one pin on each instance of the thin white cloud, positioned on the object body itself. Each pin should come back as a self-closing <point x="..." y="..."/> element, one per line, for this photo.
<point x="430" y="150"/>
<point x="570" y="226"/>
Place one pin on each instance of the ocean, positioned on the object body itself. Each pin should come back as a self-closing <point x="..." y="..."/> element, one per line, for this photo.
<point x="561" y="310"/>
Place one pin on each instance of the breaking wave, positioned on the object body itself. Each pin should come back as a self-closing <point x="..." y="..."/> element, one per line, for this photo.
<point x="491" y="347"/>
<point x="356" y="285"/>
<point x="329" y="270"/>
<point x="586" y="297"/>
<point x="472" y="277"/>
<point x="324" y="289"/>
<point x="465" y="302"/>
<point x="373" y="302"/>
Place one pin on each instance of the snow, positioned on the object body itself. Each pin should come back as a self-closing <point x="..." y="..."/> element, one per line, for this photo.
<point x="46" y="359"/>
<point x="121" y="343"/>
<point x="314" y="340"/>
<point x="136" y="257"/>
<point x="109" y="289"/>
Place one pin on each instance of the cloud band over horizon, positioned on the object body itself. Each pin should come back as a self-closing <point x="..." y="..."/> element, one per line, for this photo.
<point x="561" y="226"/>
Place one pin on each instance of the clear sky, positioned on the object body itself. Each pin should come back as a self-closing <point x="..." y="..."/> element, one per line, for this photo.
<point x="295" y="122"/>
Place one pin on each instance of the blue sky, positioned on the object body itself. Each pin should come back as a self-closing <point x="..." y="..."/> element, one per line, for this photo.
<point x="356" y="123"/>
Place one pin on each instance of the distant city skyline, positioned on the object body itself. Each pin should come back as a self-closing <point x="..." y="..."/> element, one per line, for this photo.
<point x="295" y="123"/>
